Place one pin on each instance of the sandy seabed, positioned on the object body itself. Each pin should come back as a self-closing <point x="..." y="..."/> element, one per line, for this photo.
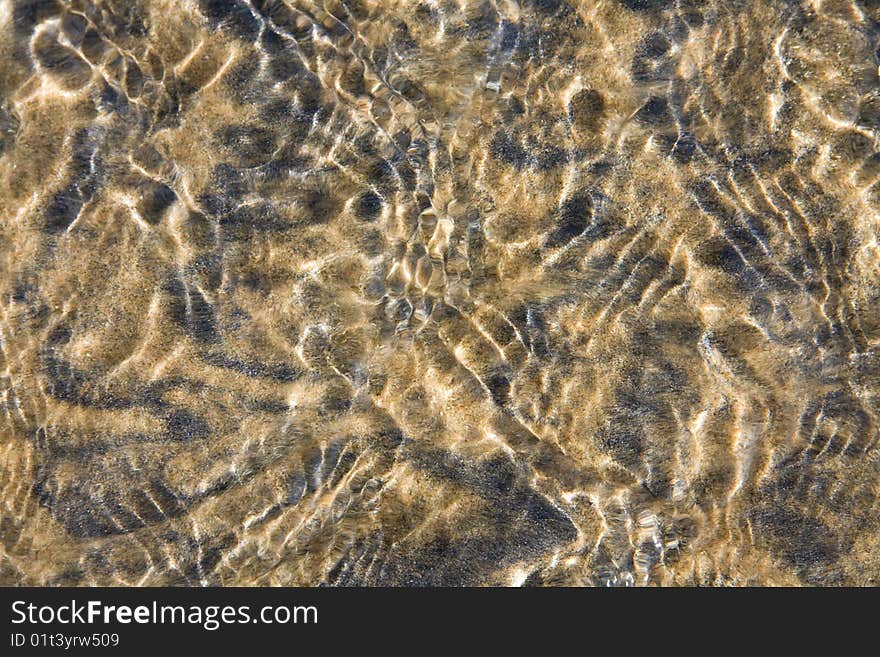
<point x="445" y="292"/>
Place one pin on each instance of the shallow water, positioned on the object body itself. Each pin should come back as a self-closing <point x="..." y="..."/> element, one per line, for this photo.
<point x="439" y="292"/>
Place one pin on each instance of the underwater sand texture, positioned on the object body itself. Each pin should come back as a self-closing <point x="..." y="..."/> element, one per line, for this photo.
<point x="439" y="292"/>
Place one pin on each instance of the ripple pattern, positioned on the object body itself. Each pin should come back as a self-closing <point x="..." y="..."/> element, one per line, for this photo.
<point x="439" y="292"/>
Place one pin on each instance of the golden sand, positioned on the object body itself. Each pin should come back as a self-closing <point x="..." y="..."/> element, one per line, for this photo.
<point x="446" y="292"/>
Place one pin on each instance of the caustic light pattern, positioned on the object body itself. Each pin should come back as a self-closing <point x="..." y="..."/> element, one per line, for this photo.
<point x="439" y="292"/>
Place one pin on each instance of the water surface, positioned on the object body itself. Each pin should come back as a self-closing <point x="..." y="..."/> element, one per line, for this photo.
<point x="419" y="293"/>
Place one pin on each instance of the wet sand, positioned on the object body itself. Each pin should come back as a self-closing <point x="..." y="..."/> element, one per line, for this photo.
<point x="441" y="292"/>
